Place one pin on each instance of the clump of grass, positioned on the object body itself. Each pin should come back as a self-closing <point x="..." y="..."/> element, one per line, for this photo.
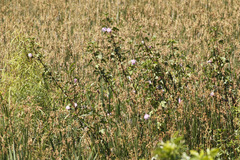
<point x="23" y="76"/>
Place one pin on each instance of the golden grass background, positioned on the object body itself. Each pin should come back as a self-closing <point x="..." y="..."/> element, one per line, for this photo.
<point x="61" y="25"/>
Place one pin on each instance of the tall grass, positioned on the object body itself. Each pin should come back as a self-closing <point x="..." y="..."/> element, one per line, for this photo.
<point x="166" y="66"/>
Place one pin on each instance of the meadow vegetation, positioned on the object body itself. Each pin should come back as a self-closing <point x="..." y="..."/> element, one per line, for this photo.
<point x="119" y="79"/>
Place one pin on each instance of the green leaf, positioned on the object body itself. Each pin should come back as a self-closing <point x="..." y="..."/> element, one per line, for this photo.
<point x="194" y="153"/>
<point x="99" y="56"/>
<point x="163" y="104"/>
<point x="201" y="153"/>
<point x="115" y="29"/>
<point x="214" y="152"/>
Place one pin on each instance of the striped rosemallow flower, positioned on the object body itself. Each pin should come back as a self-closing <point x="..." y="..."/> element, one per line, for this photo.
<point x="104" y="29"/>
<point x="68" y="107"/>
<point x="109" y="30"/>
<point x="30" y="55"/>
<point x="179" y="100"/>
<point x="146" y="116"/>
<point x="75" y="80"/>
<point x="212" y="94"/>
<point x="209" y="61"/>
<point x="75" y="105"/>
<point x="133" y="61"/>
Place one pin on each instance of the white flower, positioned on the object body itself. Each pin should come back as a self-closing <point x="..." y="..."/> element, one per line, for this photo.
<point x="109" y="30"/>
<point x="104" y="29"/>
<point x="75" y="105"/>
<point x="68" y="107"/>
<point x="133" y="61"/>
<point x="212" y="94"/>
<point x="146" y="116"/>
<point x="30" y="55"/>
<point x="209" y="61"/>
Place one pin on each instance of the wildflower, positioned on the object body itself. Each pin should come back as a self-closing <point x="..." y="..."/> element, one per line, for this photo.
<point x="30" y="55"/>
<point x="104" y="29"/>
<point x="75" y="105"/>
<point x="146" y="116"/>
<point x="75" y="80"/>
<point x="133" y="61"/>
<point x="142" y="42"/>
<point x="68" y="107"/>
<point x="109" y="30"/>
<point x="150" y="82"/>
<point x="212" y="94"/>
<point x="209" y="61"/>
<point x="150" y="47"/>
<point x="179" y="100"/>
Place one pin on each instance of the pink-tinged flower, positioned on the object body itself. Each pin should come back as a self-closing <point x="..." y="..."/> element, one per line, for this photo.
<point x="212" y="94"/>
<point x="209" y="61"/>
<point x="75" y="80"/>
<point x="150" y="47"/>
<point x="179" y="100"/>
<point x="150" y="82"/>
<point x="146" y="116"/>
<point x="68" y="107"/>
<point x="129" y="78"/>
<point x="104" y="29"/>
<point x="133" y="61"/>
<point x="109" y="30"/>
<point x="30" y="55"/>
<point x="75" y="105"/>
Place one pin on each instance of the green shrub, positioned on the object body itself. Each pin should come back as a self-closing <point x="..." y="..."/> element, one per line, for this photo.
<point x="176" y="150"/>
<point x="23" y="76"/>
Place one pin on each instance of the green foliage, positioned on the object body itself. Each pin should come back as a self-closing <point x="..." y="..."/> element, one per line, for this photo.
<point x="170" y="150"/>
<point x="176" y="150"/>
<point x="23" y="76"/>
<point x="210" y="155"/>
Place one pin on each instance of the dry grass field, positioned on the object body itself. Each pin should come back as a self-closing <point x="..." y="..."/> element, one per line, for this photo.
<point x="71" y="90"/>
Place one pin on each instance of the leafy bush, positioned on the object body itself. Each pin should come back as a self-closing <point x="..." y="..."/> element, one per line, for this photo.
<point x="175" y="149"/>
